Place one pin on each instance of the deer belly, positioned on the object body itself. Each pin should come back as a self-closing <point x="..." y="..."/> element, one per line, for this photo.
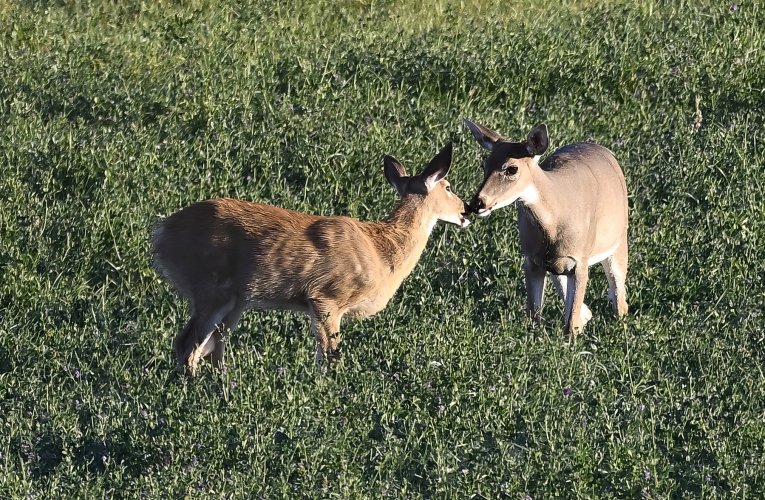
<point x="368" y="307"/>
<point x="275" y="304"/>
<point x="600" y="257"/>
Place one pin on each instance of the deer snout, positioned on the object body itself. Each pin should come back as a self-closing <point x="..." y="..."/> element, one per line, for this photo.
<point x="477" y="205"/>
<point x="464" y="220"/>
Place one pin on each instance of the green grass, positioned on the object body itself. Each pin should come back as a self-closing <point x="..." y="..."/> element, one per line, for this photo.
<point x="113" y="114"/>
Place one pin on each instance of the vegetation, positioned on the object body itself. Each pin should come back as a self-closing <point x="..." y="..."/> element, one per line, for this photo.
<point x="113" y="114"/>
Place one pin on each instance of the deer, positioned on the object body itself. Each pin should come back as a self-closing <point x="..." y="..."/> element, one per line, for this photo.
<point x="226" y="256"/>
<point x="572" y="214"/>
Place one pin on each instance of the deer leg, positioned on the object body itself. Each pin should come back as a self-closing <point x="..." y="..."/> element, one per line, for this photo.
<point x="535" y="288"/>
<point x="325" y="324"/>
<point x="560" y="283"/>
<point x="334" y="337"/>
<point x="180" y="340"/>
<point x="575" y="288"/>
<point x="193" y="340"/>
<point x="616" y="272"/>
<point x="215" y="347"/>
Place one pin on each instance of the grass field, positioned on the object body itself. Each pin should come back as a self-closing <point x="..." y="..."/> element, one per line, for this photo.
<point x="113" y="114"/>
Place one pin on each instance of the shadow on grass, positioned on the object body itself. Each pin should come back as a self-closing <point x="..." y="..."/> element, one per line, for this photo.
<point x="41" y="455"/>
<point x="6" y="365"/>
<point x="96" y="455"/>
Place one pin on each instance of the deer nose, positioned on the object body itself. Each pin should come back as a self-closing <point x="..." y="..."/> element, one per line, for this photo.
<point x="476" y="204"/>
<point x="465" y="208"/>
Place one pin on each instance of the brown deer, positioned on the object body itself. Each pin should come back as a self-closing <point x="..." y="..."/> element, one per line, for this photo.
<point x="226" y="256"/>
<point x="572" y="214"/>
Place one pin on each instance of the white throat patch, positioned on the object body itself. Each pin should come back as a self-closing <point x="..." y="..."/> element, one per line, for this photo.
<point x="529" y="196"/>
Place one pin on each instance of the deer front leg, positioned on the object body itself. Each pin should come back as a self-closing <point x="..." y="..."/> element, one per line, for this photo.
<point x="560" y="283"/>
<point x="576" y="286"/>
<point x="325" y="324"/>
<point x="535" y="288"/>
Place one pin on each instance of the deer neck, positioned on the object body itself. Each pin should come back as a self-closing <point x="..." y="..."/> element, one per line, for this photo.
<point x="401" y="238"/>
<point x="537" y="199"/>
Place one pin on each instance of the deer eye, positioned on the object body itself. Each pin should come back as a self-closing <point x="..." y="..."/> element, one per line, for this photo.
<point x="448" y="189"/>
<point x="509" y="170"/>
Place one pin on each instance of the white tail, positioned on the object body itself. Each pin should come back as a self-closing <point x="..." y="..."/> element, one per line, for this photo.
<point x="573" y="214"/>
<point x="226" y="256"/>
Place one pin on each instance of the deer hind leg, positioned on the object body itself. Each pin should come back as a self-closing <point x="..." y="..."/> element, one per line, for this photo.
<point x="197" y="337"/>
<point x="616" y="272"/>
<point x="214" y="349"/>
<point x="576" y="284"/>
<point x="179" y="342"/>
<point x="560" y="283"/>
<point x="325" y="324"/>
<point x="535" y="288"/>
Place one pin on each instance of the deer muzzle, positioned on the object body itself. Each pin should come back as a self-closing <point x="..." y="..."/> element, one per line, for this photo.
<point x="478" y="206"/>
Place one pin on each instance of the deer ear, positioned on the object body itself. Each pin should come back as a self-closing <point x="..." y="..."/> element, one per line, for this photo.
<point x="485" y="136"/>
<point x="438" y="167"/>
<point x="395" y="174"/>
<point x="537" y="142"/>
